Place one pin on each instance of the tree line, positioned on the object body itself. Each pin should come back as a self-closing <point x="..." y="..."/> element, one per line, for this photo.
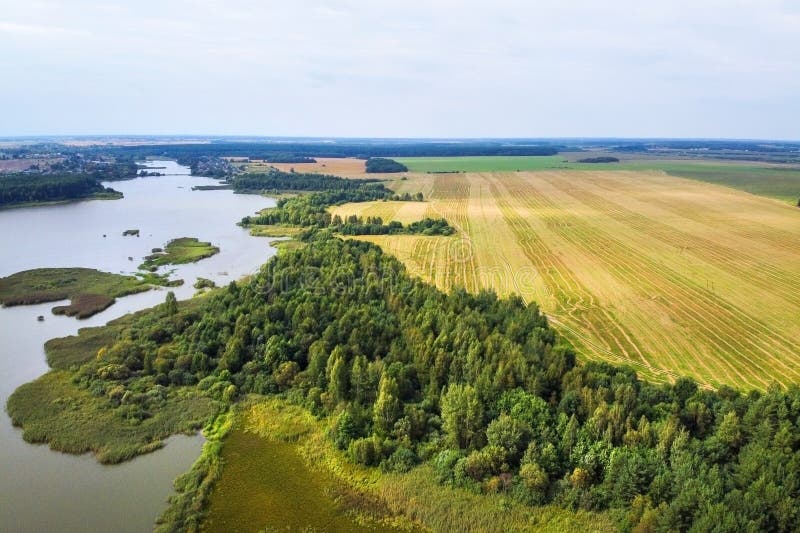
<point x="31" y="188"/>
<point x="276" y="180"/>
<point x="384" y="165"/>
<point x="311" y="210"/>
<point x="599" y="159"/>
<point x="355" y="225"/>
<point x="289" y="158"/>
<point x="340" y="148"/>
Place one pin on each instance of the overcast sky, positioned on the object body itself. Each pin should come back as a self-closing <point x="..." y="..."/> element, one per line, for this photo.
<point x="406" y="68"/>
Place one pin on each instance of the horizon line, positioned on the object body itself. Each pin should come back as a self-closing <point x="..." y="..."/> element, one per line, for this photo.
<point x="186" y="136"/>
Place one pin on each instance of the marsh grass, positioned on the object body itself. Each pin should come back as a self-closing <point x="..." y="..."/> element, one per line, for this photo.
<point x="179" y="251"/>
<point x="260" y="230"/>
<point x="89" y="290"/>
<point x="84" y="305"/>
<point x="54" y="410"/>
<point x="188" y="506"/>
<point x="266" y="484"/>
<point x="64" y="352"/>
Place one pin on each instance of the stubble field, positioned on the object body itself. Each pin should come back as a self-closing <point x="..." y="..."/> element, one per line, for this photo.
<point x="337" y="166"/>
<point x="672" y="276"/>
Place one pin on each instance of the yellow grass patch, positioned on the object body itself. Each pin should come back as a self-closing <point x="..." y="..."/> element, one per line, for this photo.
<point x="337" y="166"/>
<point x="672" y="276"/>
<point x="405" y="212"/>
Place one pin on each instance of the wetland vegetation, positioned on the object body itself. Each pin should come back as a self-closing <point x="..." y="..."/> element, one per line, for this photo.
<point x="179" y="251"/>
<point x="65" y="410"/>
<point x="89" y="290"/>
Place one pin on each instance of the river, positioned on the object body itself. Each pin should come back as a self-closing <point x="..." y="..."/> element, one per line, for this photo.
<point x="43" y="490"/>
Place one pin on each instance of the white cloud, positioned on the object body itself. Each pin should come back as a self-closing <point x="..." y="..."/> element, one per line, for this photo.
<point x="39" y="31"/>
<point x="424" y="68"/>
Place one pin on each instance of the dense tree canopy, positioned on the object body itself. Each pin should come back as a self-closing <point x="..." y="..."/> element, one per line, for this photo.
<point x="290" y="158"/>
<point x="341" y="148"/>
<point x="31" y="188"/>
<point x="600" y="159"/>
<point x="478" y="386"/>
<point x="383" y="165"/>
<point x="355" y="225"/>
<point x="294" y="181"/>
<point x="311" y="210"/>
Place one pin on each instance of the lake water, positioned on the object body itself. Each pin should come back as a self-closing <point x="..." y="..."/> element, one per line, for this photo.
<point x="43" y="490"/>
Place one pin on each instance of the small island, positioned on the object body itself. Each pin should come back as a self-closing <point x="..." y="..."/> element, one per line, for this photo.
<point x="204" y="283"/>
<point x="89" y="291"/>
<point x="178" y="252"/>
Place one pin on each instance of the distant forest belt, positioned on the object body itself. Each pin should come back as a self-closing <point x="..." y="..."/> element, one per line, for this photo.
<point x="670" y="275"/>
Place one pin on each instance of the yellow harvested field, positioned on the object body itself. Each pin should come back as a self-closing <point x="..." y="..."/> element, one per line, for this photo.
<point x="672" y="276"/>
<point x="337" y="166"/>
<point x="405" y="212"/>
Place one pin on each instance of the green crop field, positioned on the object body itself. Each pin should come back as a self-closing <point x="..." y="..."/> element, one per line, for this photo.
<point x="779" y="182"/>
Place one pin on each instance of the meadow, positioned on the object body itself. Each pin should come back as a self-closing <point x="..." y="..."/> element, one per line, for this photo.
<point x="669" y="275"/>
<point x="337" y="166"/>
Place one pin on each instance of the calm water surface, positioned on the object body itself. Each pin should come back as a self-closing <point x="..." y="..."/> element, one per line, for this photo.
<point x="42" y="490"/>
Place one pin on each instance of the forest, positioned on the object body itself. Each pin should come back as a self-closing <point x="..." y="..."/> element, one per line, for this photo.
<point x="311" y="210"/>
<point x="359" y="149"/>
<point x="355" y="225"/>
<point x="601" y="159"/>
<point x="480" y="387"/>
<point x="276" y="180"/>
<point x="384" y="165"/>
<point x="290" y="158"/>
<point x="34" y="188"/>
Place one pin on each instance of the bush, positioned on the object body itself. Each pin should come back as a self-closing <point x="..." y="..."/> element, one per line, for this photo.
<point x="402" y="460"/>
<point x="482" y="463"/>
<point x="344" y="430"/>
<point x="444" y="464"/>
<point x="535" y="480"/>
<point x="366" y="451"/>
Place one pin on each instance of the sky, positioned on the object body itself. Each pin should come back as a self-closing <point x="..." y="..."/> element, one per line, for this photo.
<point x="405" y="68"/>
